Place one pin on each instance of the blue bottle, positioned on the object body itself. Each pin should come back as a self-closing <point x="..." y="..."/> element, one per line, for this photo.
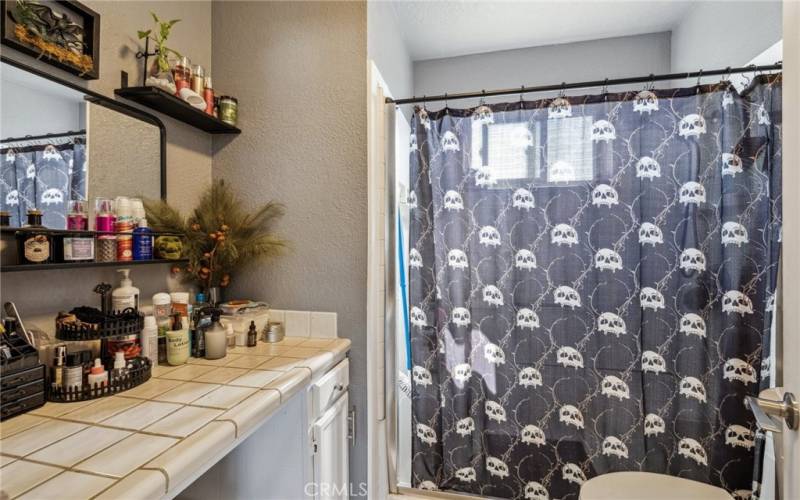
<point x="142" y="242"/>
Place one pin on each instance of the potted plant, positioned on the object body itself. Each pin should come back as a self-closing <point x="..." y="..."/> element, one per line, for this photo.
<point x="219" y="236"/>
<point x="160" y="69"/>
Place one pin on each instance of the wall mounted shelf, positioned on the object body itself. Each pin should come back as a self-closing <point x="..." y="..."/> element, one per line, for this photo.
<point x="76" y="265"/>
<point x="10" y="268"/>
<point x="166" y="103"/>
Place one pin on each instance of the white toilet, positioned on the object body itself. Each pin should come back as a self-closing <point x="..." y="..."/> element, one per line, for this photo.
<point x="640" y="485"/>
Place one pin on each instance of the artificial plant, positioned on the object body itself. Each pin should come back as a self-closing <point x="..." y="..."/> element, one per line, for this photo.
<point x="220" y="235"/>
<point x="160" y="39"/>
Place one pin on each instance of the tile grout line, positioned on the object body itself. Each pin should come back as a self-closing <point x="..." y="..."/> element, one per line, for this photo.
<point x="178" y="440"/>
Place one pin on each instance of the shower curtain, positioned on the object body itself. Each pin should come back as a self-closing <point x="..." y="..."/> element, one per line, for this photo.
<point x="592" y="282"/>
<point x="43" y="174"/>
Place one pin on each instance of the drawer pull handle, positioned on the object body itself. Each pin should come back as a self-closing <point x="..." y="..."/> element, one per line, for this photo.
<point x="338" y="387"/>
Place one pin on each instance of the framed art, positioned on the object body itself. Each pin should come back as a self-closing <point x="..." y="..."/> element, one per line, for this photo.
<point x="64" y="34"/>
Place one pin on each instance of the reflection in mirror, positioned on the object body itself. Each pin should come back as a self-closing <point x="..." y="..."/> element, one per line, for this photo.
<point x="59" y="145"/>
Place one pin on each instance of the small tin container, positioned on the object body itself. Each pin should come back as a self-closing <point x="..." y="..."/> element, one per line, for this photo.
<point x="273" y="332"/>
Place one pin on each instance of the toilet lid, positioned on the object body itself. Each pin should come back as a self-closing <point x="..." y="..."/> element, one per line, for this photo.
<point x="639" y="485"/>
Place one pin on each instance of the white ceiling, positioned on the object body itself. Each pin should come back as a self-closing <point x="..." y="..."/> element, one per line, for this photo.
<point x="434" y="29"/>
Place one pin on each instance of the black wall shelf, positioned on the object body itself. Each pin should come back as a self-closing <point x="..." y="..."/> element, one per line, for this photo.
<point x="76" y="265"/>
<point x="164" y="102"/>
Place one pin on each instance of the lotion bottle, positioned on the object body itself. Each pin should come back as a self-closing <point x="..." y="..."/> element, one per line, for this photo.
<point x="125" y="295"/>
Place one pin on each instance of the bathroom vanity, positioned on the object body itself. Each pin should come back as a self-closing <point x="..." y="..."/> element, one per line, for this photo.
<point x="267" y="421"/>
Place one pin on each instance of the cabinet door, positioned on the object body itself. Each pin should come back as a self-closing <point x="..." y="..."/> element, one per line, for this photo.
<point x="331" y="471"/>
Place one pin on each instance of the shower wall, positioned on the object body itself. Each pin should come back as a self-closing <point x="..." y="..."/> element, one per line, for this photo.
<point x="568" y="62"/>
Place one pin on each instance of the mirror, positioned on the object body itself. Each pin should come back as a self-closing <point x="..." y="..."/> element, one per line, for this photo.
<point x="58" y="143"/>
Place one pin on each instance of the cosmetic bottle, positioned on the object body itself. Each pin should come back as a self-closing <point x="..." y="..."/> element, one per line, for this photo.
<point x="137" y="211"/>
<point x="149" y="340"/>
<point x="98" y="377"/>
<point x="142" y="242"/>
<point x="177" y="343"/>
<point x="180" y="303"/>
<point x="76" y="217"/>
<point x="57" y="370"/>
<point x="215" y="338"/>
<point x="200" y="321"/>
<point x="208" y="94"/>
<point x="124" y="224"/>
<point x="86" y="362"/>
<point x="120" y="369"/>
<point x="73" y="372"/>
<point x="230" y="336"/>
<point x="252" y="335"/>
<point x="125" y="295"/>
<point x="104" y="220"/>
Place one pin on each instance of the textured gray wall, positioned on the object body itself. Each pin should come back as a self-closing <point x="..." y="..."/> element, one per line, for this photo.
<point x="569" y="62"/>
<point x="716" y="35"/>
<point x="299" y="71"/>
<point x="119" y="166"/>
<point x="188" y="149"/>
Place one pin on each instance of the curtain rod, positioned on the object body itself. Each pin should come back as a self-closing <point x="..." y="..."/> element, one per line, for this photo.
<point x="44" y="136"/>
<point x="596" y="83"/>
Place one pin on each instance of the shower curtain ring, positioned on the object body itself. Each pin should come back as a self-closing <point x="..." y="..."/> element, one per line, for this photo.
<point x="446" y="105"/>
<point x="521" y="91"/>
<point x="605" y="89"/>
<point x="563" y="91"/>
<point x="651" y="84"/>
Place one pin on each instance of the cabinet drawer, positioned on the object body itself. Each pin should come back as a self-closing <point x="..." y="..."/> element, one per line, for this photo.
<point x="329" y="388"/>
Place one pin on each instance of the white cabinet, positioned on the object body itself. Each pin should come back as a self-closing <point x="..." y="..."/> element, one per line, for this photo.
<point x="329" y="435"/>
<point x="329" y="439"/>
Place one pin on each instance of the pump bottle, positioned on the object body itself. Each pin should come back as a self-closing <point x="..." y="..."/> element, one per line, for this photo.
<point x="125" y="295"/>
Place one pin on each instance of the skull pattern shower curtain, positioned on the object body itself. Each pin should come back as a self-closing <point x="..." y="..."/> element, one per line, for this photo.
<point x="592" y="286"/>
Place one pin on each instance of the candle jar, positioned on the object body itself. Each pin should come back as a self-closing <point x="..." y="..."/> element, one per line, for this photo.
<point x="228" y="109"/>
<point x="35" y="246"/>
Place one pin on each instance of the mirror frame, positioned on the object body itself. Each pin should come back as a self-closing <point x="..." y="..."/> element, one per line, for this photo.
<point x="109" y="103"/>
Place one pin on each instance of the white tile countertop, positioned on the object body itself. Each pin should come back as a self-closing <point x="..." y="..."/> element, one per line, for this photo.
<point x="143" y="442"/>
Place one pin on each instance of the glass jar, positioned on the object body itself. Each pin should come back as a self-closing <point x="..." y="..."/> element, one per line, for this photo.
<point x="228" y="109"/>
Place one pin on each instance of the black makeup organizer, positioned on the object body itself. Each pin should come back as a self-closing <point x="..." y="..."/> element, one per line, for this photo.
<point x="22" y="377"/>
<point x="85" y="323"/>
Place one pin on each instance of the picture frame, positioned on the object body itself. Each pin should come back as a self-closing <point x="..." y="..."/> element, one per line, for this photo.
<point x="74" y="48"/>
